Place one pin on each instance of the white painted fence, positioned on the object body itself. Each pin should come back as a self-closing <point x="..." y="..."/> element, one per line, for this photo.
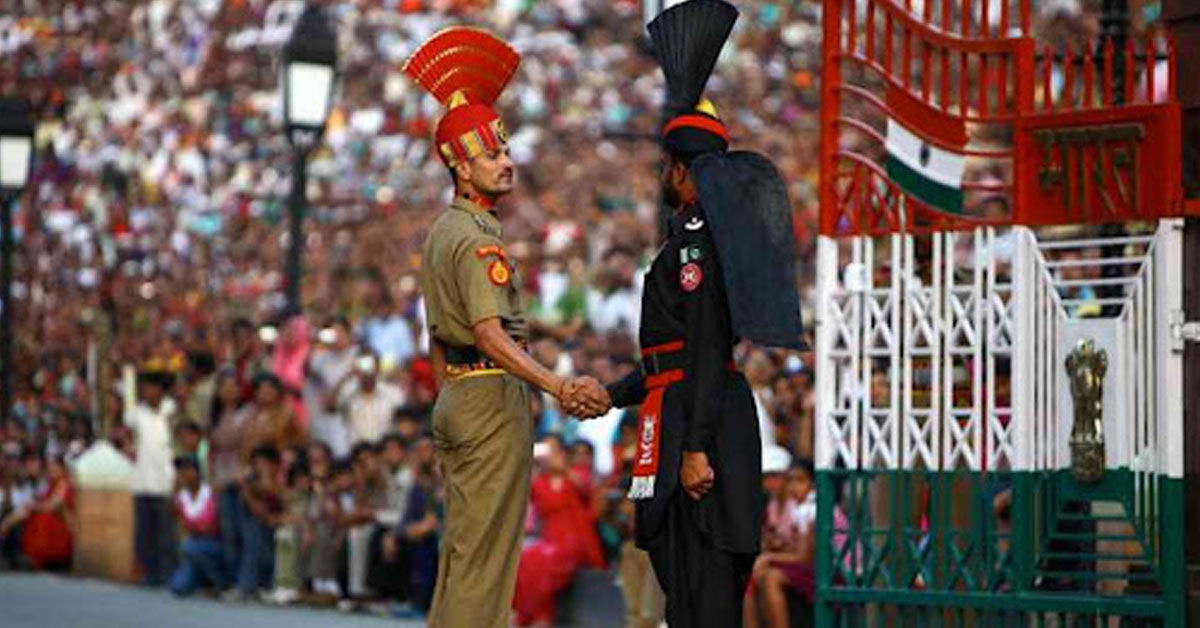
<point x="947" y="351"/>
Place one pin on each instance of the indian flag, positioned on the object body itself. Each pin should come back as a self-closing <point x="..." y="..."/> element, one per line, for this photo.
<point x="924" y="151"/>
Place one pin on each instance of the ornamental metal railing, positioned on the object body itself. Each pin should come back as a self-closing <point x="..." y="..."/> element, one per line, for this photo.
<point x="944" y="417"/>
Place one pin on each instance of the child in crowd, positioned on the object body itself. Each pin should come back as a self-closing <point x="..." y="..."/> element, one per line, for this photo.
<point x="328" y="534"/>
<point x="190" y="443"/>
<point x="410" y="421"/>
<point x="359" y="507"/>
<point x="787" y="565"/>
<point x="262" y="495"/>
<point x="202" y="563"/>
<point x="293" y="537"/>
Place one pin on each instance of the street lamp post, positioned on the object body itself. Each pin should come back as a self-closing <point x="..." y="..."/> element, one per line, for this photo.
<point x="309" y="76"/>
<point x="16" y="159"/>
<point x="1114" y="25"/>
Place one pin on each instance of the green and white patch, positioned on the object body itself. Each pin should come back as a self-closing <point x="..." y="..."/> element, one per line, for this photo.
<point x="690" y="254"/>
<point x="926" y="171"/>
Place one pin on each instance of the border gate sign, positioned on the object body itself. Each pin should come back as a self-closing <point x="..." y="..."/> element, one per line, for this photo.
<point x="1115" y="165"/>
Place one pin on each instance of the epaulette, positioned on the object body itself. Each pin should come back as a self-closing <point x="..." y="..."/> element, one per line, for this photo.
<point x="484" y="226"/>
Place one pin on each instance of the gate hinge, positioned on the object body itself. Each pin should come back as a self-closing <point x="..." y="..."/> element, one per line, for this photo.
<point x="1183" y="331"/>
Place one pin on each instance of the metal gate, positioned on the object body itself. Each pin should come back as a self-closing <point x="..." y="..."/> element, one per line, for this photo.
<point x="948" y="494"/>
<point x="945" y="495"/>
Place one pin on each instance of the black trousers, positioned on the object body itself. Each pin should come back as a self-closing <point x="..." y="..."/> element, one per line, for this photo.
<point x="704" y="585"/>
<point x="390" y="579"/>
<point x="155" y="540"/>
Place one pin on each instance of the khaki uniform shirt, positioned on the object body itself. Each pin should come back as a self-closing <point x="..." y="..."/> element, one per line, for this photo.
<point x="466" y="276"/>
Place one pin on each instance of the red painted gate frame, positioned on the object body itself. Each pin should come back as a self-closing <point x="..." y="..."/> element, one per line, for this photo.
<point x="856" y="195"/>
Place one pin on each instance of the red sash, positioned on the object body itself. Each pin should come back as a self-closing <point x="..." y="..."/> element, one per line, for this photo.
<point x="646" y="459"/>
<point x="645" y="463"/>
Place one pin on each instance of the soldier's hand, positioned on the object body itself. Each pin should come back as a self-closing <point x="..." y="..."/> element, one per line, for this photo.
<point x="584" y="397"/>
<point x="696" y="474"/>
<point x="593" y="398"/>
<point x="567" y="396"/>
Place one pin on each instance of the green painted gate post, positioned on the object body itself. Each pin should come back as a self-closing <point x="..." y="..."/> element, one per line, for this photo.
<point x="1022" y="529"/>
<point x="1171" y="551"/>
<point x="824" y="557"/>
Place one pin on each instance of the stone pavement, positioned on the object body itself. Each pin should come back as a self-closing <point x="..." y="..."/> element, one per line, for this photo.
<point x="44" y="601"/>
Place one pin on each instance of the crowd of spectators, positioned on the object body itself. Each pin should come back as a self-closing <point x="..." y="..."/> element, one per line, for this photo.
<point x="286" y="454"/>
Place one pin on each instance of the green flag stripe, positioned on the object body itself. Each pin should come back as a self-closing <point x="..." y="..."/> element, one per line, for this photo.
<point x="936" y="195"/>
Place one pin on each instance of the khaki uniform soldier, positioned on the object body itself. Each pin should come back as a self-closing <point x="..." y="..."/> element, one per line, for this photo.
<point x="482" y="422"/>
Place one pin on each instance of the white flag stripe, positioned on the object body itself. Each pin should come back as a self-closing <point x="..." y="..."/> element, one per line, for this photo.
<point x="943" y="167"/>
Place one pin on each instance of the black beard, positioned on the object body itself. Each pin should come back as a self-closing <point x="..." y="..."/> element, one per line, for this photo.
<point x="670" y="195"/>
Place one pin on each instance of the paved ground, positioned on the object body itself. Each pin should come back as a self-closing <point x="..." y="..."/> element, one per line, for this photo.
<point x="40" y="601"/>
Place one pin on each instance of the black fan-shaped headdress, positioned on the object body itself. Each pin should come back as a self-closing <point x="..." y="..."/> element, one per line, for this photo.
<point x="687" y="41"/>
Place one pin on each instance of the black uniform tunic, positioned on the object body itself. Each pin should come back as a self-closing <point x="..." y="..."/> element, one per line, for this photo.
<point x="702" y="550"/>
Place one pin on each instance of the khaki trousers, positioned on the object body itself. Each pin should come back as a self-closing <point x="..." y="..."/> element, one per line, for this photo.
<point x="644" y="601"/>
<point x="483" y="430"/>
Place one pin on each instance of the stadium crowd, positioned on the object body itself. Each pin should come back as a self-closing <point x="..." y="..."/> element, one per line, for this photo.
<point x="287" y="454"/>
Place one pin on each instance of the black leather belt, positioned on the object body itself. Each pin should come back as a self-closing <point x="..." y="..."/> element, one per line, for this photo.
<point x="463" y="355"/>
<point x="668" y="357"/>
<point x="658" y="363"/>
<point x="470" y="356"/>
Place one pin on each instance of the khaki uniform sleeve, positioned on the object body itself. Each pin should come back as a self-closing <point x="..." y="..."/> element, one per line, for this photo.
<point x="484" y="278"/>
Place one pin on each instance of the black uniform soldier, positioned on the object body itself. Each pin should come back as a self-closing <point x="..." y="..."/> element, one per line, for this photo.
<point x="725" y="274"/>
<point x="482" y="423"/>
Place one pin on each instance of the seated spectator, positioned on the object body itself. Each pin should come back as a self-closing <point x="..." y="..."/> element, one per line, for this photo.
<point x="202" y="563"/>
<point x="329" y="480"/>
<point x="388" y="571"/>
<point x="645" y="603"/>
<point x="423" y="521"/>
<point x="411" y="421"/>
<point x="359" y="508"/>
<point x="46" y="537"/>
<point x="567" y="542"/>
<point x="398" y="480"/>
<point x="404" y="555"/>
<point x="7" y="482"/>
<point x="24" y="478"/>
<point x="788" y="563"/>
<point x="262" y="496"/>
<point x="608" y="521"/>
<point x="293" y="538"/>
<point x="320" y="465"/>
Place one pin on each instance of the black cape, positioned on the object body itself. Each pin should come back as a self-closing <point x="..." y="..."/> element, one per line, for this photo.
<point x="746" y="203"/>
